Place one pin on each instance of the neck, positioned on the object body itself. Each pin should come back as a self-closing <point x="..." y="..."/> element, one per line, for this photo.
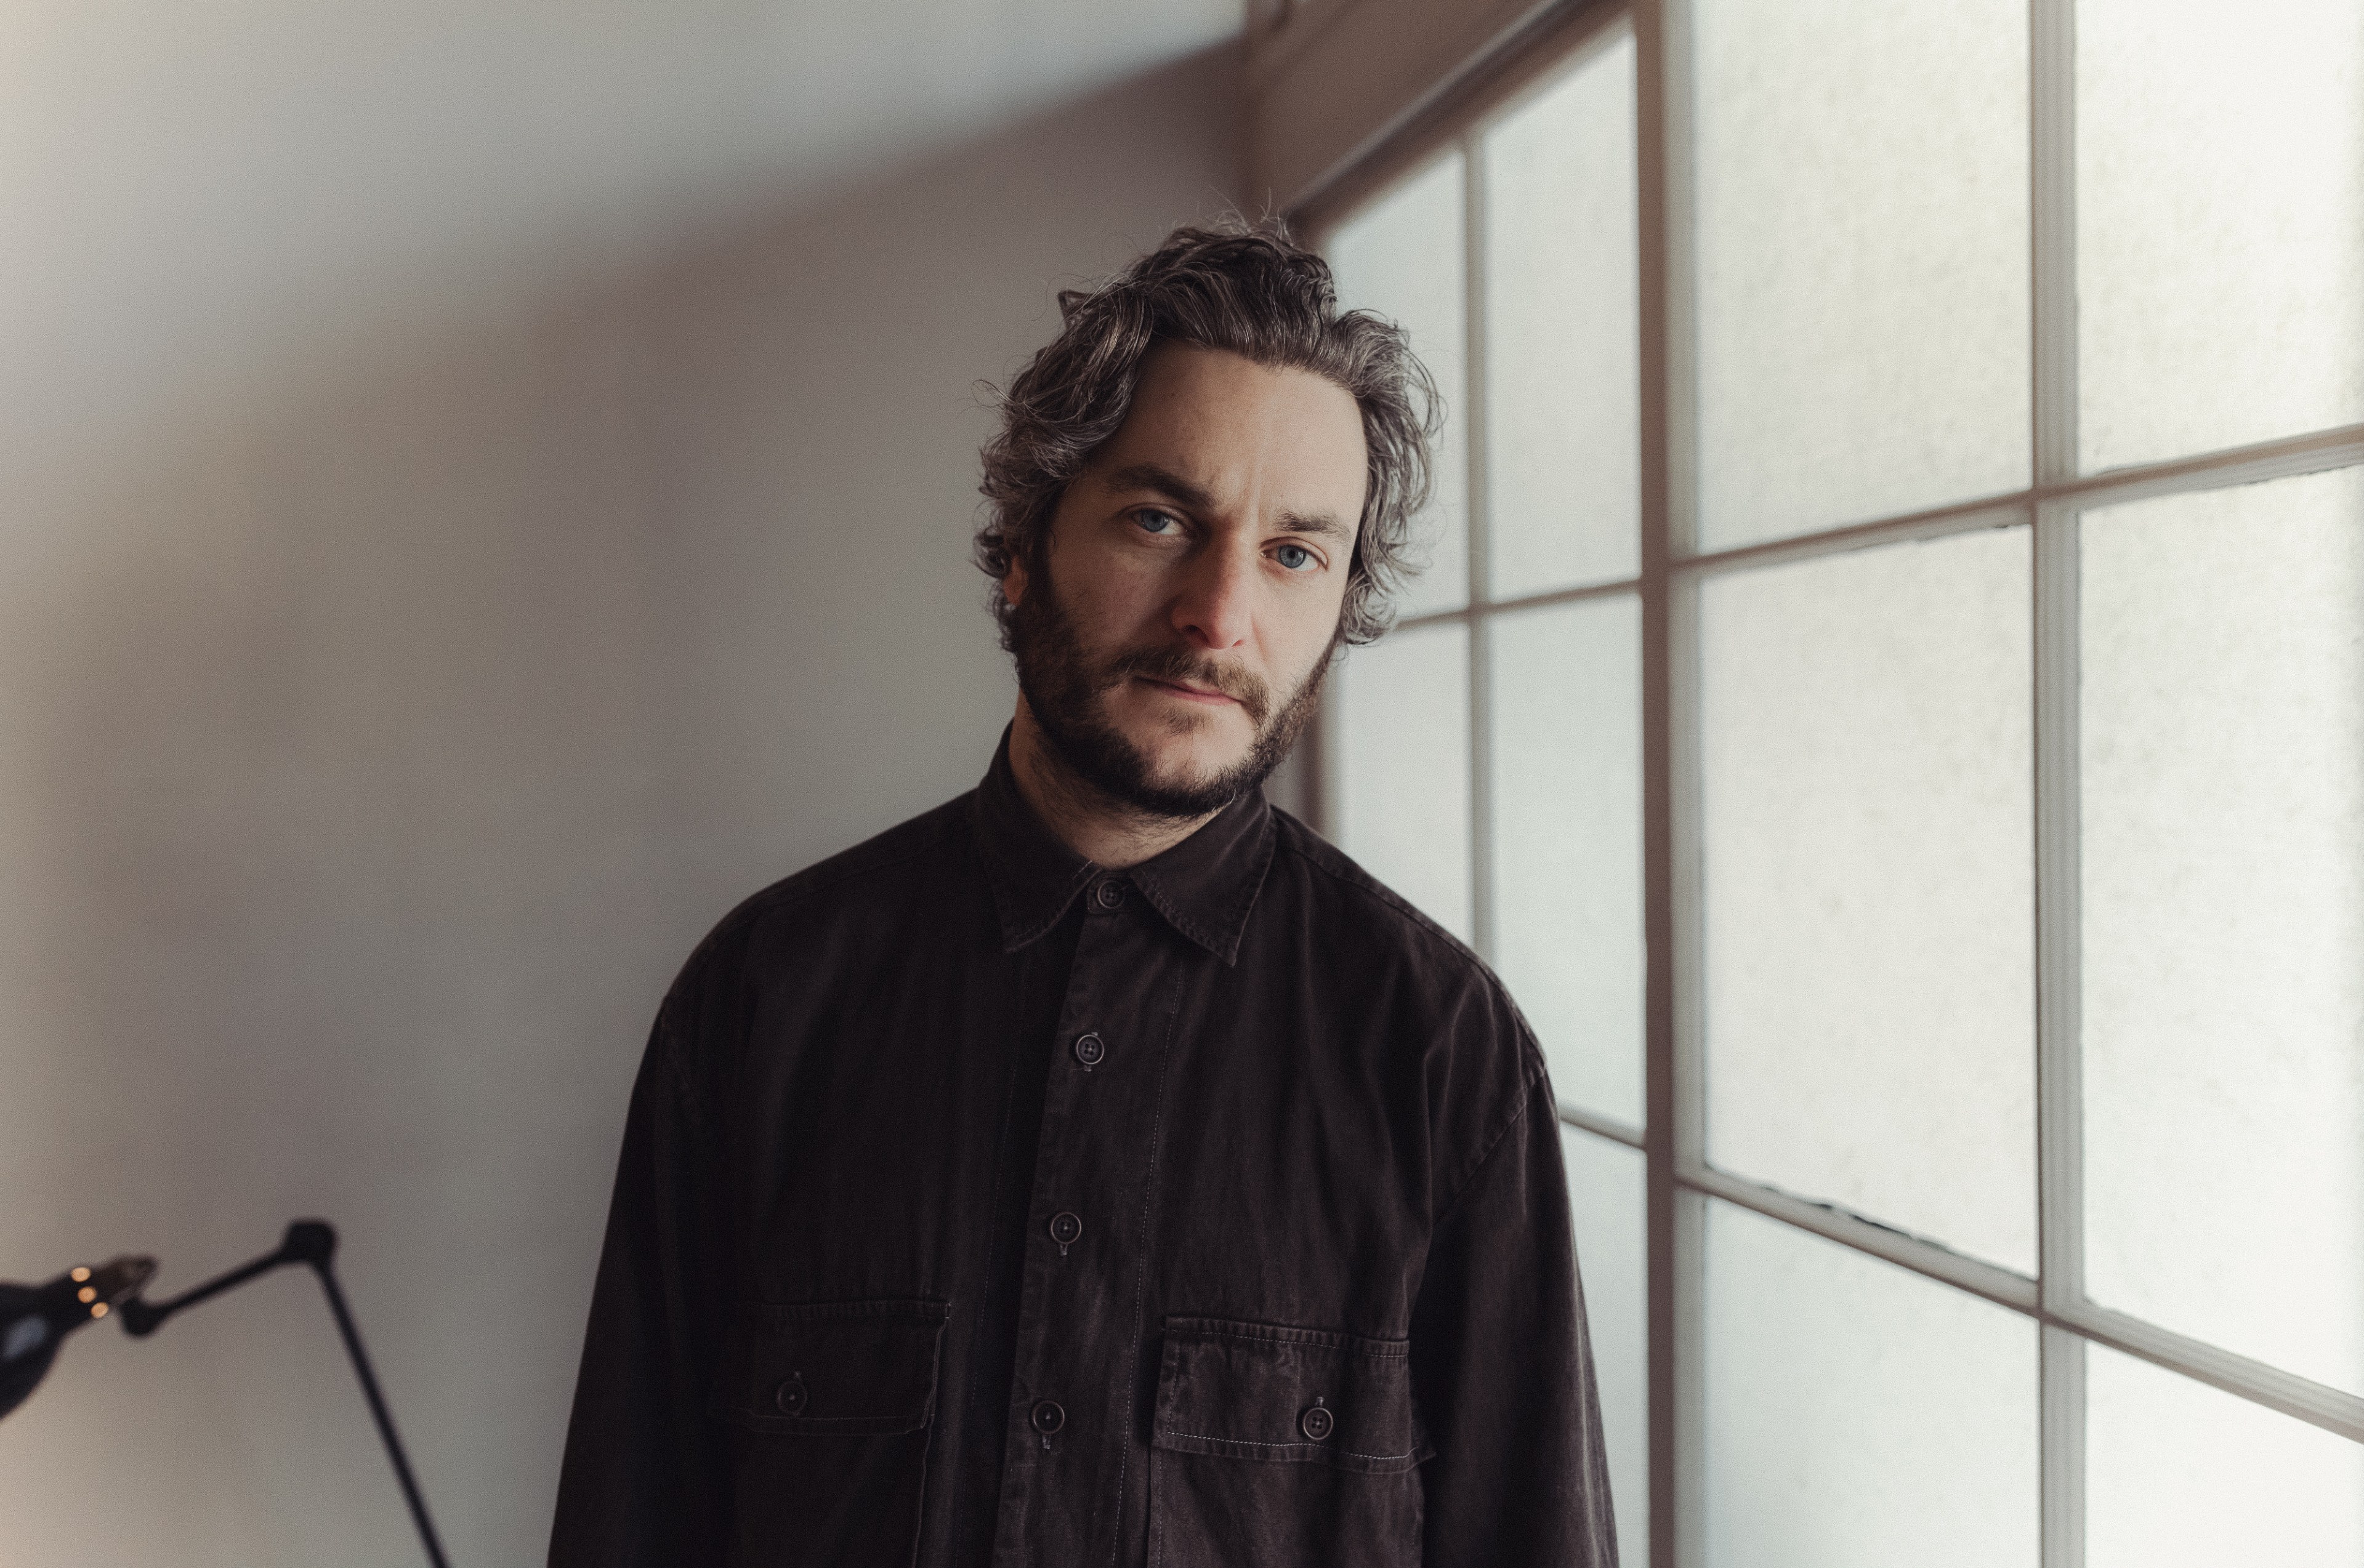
<point x="1105" y="832"/>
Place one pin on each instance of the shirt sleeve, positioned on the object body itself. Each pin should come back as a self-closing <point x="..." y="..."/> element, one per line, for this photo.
<point x="1502" y="1367"/>
<point x="645" y="1475"/>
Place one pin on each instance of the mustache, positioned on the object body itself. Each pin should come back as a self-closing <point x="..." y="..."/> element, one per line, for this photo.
<point x="1179" y="664"/>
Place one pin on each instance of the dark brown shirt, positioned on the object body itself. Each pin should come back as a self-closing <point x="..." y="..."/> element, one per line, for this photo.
<point x="981" y="1207"/>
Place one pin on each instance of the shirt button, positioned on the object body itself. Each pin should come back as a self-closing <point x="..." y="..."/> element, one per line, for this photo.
<point x="1065" y="1229"/>
<point x="791" y="1396"/>
<point x="1089" y="1048"/>
<point x="1110" y="895"/>
<point x="1047" y="1417"/>
<point x="1316" y="1422"/>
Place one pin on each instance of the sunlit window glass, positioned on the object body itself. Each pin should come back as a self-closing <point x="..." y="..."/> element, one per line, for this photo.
<point x="1402" y="732"/>
<point x="1403" y="257"/>
<point x="2220" y="224"/>
<point x="1605" y="1194"/>
<point x="2222" y="842"/>
<point x="1566" y="784"/>
<point x="1862" y="171"/>
<point x="1562" y="408"/>
<point x="1859" y="1415"/>
<point x="1869" y="885"/>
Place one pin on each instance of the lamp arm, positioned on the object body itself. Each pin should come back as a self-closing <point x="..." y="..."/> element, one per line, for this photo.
<point x="142" y="1317"/>
<point x="311" y="1242"/>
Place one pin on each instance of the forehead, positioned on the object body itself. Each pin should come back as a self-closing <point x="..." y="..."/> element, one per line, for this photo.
<point x="1243" y="431"/>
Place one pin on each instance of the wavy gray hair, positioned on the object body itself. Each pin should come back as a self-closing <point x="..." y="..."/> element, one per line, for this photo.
<point x="1246" y="288"/>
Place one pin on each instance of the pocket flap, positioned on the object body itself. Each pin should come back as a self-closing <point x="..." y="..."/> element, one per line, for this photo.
<point x="850" y="1368"/>
<point x="1287" y="1395"/>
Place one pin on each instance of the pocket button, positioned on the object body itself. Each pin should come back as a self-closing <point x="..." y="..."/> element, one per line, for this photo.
<point x="791" y="1396"/>
<point x="1316" y="1422"/>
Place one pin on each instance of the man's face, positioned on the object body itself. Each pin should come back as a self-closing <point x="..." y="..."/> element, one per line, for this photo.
<point x="1195" y="574"/>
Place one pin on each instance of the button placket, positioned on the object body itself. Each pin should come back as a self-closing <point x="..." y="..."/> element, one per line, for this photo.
<point x="1081" y="1316"/>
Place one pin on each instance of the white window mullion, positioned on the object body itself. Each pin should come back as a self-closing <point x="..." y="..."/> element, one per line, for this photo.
<point x="1473" y="426"/>
<point x="2052" y="167"/>
<point x="1672" y="1085"/>
<point x="2059" y="1072"/>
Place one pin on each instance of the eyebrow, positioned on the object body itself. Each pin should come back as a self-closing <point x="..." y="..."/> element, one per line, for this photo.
<point x="1167" y="483"/>
<point x="1325" y="523"/>
<point x="1164" y="481"/>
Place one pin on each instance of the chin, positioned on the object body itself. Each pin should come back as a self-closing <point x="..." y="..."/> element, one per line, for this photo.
<point x="1168" y="733"/>
<point x="1187" y="762"/>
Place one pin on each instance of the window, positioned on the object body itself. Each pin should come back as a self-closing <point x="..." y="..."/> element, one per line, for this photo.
<point x="1889" y="701"/>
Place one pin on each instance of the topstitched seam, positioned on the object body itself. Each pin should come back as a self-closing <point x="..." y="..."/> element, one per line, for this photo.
<point x="1309" y="1448"/>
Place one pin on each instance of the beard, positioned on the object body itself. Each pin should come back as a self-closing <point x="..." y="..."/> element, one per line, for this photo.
<point x="1066" y="693"/>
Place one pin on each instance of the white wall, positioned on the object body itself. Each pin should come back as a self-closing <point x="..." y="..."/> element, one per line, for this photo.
<point x="487" y="485"/>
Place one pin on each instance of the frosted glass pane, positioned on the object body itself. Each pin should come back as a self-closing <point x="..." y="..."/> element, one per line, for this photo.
<point x="1857" y="1415"/>
<point x="1562" y="334"/>
<point x="1869" y="886"/>
<point x="2223" y="802"/>
<point x="1402" y="257"/>
<point x="1567" y="842"/>
<point x="2220" y="225"/>
<point x="1403" y="745"/>
<point x="1862" y="250"/>
<point x="2179" y="1474"/>
<point x="1606" y="1195"/>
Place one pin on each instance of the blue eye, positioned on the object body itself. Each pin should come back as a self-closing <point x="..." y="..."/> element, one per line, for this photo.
<point x="1155" y="522"/>
<point x="1295" y="557"/>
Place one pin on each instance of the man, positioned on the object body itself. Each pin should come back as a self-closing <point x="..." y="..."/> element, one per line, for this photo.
<point x="1102" y="1168"/>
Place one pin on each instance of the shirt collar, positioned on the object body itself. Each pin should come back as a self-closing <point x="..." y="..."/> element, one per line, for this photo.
<point x="1205" y="886"/>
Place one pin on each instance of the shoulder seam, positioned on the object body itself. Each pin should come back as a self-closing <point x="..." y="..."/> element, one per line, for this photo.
<point x="757" y="904"/>
<point x="781" y="891"/>
<point x="1388" y="898"/>
<point x="1478" y="1167"/>
<point x="684" y="1086"/>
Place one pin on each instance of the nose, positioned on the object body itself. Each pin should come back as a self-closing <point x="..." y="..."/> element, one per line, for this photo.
<point x="1212" y="611"/>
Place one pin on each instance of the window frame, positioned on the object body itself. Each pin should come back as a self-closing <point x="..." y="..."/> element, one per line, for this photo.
<point x="1679" y="1182"/>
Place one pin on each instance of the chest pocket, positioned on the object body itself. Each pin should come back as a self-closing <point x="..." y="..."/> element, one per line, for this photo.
<point x="831" y="1404"/>
<point x="1283" y="1446"/>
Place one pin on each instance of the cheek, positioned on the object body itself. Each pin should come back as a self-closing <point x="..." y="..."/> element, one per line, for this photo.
<point x="1305" y="628"/>
<point x="1114" y="601"/>
<point x="1301" y="663"/>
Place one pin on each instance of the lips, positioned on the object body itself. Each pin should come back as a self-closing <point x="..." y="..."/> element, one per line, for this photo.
<point x="1192" y="693"/>
<point x="1193" y="679"/>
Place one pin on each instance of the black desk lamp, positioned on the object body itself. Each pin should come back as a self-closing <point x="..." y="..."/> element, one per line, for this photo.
<point x="35" y="1319"/>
